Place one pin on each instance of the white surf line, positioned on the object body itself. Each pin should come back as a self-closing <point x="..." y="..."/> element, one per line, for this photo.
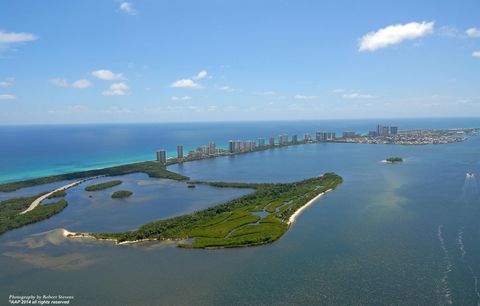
<point x="40" y="199"/>
<point x="448" y="268"/>
<point x="299" y="211"/>
<point x="464" y="252"/>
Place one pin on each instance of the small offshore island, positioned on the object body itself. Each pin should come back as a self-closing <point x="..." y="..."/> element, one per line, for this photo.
<point x="120" y="194"/>
<point x="102" y="186"/>
<point x="393" y="160"/>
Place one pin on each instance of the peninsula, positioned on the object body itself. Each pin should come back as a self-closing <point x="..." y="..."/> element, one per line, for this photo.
<point x="257" y="218"/>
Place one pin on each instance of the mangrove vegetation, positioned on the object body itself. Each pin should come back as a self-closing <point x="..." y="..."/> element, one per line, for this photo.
<point x="260" y="217"/>
<point x="120" y="194"/>
<point x="10" y="217"/>
<point x="104" y="185"/>
<point x="394" y="159"/>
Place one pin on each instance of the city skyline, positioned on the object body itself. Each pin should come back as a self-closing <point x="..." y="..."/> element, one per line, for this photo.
<point x="213" y="61"/>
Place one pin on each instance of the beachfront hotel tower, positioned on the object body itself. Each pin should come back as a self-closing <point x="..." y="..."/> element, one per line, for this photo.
<point x="180" y="152"/>
<point x="261" y="142"/>
<point x="162" y="156"/>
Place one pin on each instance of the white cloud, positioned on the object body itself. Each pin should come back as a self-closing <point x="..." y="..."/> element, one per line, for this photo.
<point x="476" y="54"/>
<point x="266" y="93"/>
<point x="338" y="90"/>
<point x="118" y="110"/>
<point x="394" y="34"/>
<point x="104" y="74"/>
<point x="7" y="82"/>
<point x="7" y="97"/>
<point x="303" y="97"/>
<point x="81" y="84"/>
<point x="356" y="95"/>
<point x="73" y="109"/>
<point x="186" y="83"/>
<point x="8" y="38"/>
<point x="473" y="32"/>
<point x="190" y="83"/>
<point x="449" y="31"/>
<point x="59" y="82"/>
<point x="201" y="75"/>
<point x="184" y="98"/>
<point x="227" y="88"/>
<point x="117" y="89"/>
<point x="127" y="7"/>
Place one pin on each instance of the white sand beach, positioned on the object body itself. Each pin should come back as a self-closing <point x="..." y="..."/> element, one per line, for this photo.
<point x="299" y="211"/>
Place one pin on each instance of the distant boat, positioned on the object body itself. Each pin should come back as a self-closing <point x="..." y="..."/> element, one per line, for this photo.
<point x="470" y="174"/>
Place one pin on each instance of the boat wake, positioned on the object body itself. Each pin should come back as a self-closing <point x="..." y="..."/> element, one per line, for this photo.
<point x="472" y="272"/>
<point x="448" y="267"/>
<point x="469" y="190"/>
<point x="460" y="243"/>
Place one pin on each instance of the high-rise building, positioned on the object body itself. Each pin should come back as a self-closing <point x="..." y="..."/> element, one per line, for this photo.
<point x="211" y="148"/>
<point x="231" y="146"/>
<point x="385" y="130"/>
<point x="294" y="139"/>
<point x="372" y="134"/>
<point x="180" y="152"/>
<point x="261" y="142"/>
<point x="162" y="156"/>
<point x="323" y="136"/>
<point x="280" y="140"/>
<point x="307" y="137"/>
<point x="394" y="130"/>
<point x="238" y="146"/>
<point x="349" y="134"/>
<point x="379" y="130"/>
<point x="271" y="141"/>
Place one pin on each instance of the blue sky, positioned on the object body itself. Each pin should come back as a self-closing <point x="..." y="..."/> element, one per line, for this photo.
<point x="157" y="61"/>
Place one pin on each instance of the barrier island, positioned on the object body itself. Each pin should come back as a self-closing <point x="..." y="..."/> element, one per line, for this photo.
<point x="260" y="217"/>
<point x="153" y="169"/>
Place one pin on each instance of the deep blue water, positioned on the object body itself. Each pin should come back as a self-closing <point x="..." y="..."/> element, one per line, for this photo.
<point x="391" y="234"/>
<point x="34" y="151"/>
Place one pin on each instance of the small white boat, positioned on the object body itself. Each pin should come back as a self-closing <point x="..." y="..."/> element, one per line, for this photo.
<point x="470" y="174"/>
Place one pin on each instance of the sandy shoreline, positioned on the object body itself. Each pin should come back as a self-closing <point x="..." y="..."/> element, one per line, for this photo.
<point x="299" y="211"/>
<point x="68" y="234"/>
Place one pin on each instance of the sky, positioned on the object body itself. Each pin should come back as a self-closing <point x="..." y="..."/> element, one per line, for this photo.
<point x="109" y="61"/>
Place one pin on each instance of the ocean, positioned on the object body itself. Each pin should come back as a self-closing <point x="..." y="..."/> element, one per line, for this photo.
<point x="391" y="234"/>
<point x="40" y="150"/>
